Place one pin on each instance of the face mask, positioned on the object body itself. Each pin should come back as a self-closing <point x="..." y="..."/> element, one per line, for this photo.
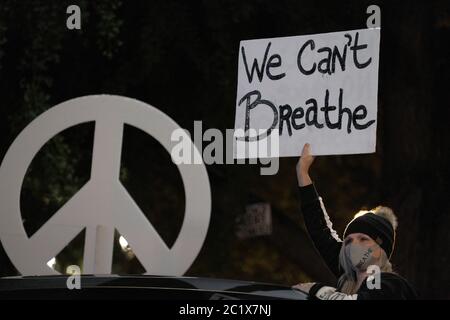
<point x="360" y="256"/>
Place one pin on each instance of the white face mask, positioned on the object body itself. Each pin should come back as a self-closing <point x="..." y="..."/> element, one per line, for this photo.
<point x="360" y="256"/>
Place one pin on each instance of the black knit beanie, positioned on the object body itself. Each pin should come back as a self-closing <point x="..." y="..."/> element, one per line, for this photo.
<point x="376" y="227"/>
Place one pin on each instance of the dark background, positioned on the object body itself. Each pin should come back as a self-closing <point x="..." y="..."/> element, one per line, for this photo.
<point x="181" y="57"/>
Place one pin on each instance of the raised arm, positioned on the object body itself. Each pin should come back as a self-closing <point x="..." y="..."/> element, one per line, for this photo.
<point x="317" y="221"/>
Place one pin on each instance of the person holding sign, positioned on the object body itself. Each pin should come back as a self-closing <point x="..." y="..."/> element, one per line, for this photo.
<point x="361" y="261"/>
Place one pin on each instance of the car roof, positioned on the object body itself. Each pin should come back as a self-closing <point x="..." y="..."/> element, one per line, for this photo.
<point x="143" y="286"/>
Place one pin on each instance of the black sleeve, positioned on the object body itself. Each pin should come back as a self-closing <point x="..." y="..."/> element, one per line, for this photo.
<point x="392" y="287"/>
<point x="388" y="291"/>
<point x="320" y="228"/>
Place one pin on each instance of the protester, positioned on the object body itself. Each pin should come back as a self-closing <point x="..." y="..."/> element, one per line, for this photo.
<point x="362" y="261"/>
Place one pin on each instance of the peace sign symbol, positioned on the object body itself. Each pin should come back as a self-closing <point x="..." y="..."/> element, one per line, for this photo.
<point x="102" y="204"/>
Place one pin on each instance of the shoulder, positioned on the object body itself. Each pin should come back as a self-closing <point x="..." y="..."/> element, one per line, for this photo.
<point x="392" y="277"/>
<point x="391" y="286"/>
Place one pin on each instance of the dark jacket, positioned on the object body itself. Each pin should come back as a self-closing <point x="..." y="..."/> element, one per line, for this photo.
<point x="328" y="243"/>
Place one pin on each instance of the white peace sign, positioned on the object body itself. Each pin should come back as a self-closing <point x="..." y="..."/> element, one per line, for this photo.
<point x="102" y="204"/>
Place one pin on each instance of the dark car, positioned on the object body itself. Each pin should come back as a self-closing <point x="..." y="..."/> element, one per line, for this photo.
<point x="142" y="287"/>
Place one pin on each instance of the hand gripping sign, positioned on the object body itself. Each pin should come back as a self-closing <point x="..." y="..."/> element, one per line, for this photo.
<point x="102" y="204"/>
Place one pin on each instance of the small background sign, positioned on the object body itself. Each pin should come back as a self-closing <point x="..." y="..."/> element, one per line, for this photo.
<point x="257" y="221"/>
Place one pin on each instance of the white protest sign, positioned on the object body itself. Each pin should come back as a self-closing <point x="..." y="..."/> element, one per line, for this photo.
<point x="321" y="89"/>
